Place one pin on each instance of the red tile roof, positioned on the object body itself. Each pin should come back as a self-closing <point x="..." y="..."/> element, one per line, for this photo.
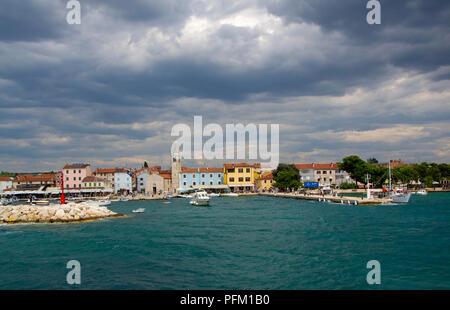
<point x="92" y="178"/>
<point x="35" y="178"/>
<point x="231" y="166"/>
<point x="165" y="176"/>
<point x="110" y="170"/>
<point x="315" y="166"/>
<point x="266" y="176"/>
<point x="201" y="170"/>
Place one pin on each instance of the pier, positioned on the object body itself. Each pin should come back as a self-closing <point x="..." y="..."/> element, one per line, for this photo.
<point x="357" y="201"/>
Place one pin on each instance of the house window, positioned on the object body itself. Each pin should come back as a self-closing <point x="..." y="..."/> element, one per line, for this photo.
<point x="67" y="178"/>
<point x="247" y="179"/>
<point x="241" y="179"/>
<point x="79" y="178"/>
<point x="203" y="175"/>
<point x="203" y="183"/>
<point x="248" y="169"/>
<point x="184" y="183"/>
<point x="219" y="183"/>
<point x="210" y="176"/>
<point x="193" y="176"/>
<point x="231" y="179"/>
<point x="219" y="175"/>
<point x="210" y="183"/>
<point x="74" y="171"/>
<point x="67" y="171"/>
<point x="184" y="176"/>
<point x="79" y="171"/>
<point x="265" y="181"/>
<point x="240" y="170"/>
<point x="79" y="185"/>
<point x="318" y="172"/>
<point x="194" y="183"/>
<point x="74" y="178"/>
<point x="324" y="172"/>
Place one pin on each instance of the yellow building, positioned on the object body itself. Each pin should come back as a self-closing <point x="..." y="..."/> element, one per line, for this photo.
<point x="265" y="182"/>
<point x="241" y="177"/>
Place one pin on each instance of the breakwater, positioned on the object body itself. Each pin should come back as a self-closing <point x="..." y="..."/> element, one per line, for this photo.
<point x="71" y="212"/>
<point x="330" y="198"/>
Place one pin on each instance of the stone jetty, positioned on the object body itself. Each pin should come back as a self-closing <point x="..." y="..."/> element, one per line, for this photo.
<point x="71" y="212"/>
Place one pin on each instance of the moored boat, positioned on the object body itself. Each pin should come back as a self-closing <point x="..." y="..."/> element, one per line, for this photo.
<point x="422" y="192"/>
<point x="200" y="198"/>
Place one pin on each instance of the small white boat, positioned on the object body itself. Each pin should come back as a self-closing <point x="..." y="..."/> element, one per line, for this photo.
<point x="401" y="198"/>
<point x="185" y="196"/>
<point x="422" y="192"/>
<point x="200" y="199"/>
<point x="140" y="210"/>
<point x="124" y="199"/>
<point x="230" y="195"/>
<point x="104" y="202"/>
<point x="213" y="195"/>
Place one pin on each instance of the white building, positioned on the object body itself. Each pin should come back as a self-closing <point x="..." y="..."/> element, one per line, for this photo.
<point x="122" y="182"/>
<point x="5" y="183"/>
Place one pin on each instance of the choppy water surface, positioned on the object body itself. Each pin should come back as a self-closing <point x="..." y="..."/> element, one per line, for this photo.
<point x="238" y="243"/>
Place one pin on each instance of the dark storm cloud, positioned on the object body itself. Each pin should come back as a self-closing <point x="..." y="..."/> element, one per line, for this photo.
<point x="32" y="20"/>
<point x="113" y="86"/>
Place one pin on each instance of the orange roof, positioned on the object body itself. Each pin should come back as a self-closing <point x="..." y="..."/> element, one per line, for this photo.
<point x="166" y="176"/>
<point x="148" y="169"/>
<point x="5" y="178"/>
<point x="315" y="166"/>
<point x="110" y="170"/>
<point x="92" y="178"/>
<point x="231" y="166"/>
<point x="267" y="176"/>
<point x="35" y="178"/>
<point x="201" y="170"/>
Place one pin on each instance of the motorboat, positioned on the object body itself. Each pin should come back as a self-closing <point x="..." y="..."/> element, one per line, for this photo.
<point x="422" y="192"/>
<point x="230" y="195"/>
<point x="123" y="199"/>
<point x="140" y="210"/>
<point x="104" y="202"/>
<point x="185" y="196"/>
<point x="400" y="195"/>
<point x="200" y="198"/>
<point x="213" y="195"/>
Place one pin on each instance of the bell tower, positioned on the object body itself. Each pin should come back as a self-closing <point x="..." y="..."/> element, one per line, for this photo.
<point x="176" y="170"/>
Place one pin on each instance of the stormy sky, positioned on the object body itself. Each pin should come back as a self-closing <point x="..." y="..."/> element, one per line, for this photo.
<point x="109" y="90"/>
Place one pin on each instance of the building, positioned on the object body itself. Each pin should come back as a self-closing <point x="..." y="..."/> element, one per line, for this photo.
<point x="119" y="178"/>
<point x="74" y="175"/>
<point x="324" y="174"/>
<point x="5" y="183"/>
<point x="241" y="177"/>
<point x="31" y="182"/>
<point x="206" y="178"/>
<point x="175" y="171"/>
<point x="265" y="182"/>
<point x="158" y="183"/>
<point x="95" y="183"/>
<point x="141" y="176"/>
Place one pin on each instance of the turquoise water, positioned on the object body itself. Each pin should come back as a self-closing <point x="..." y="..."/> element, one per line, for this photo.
<point x="238" y="243"/>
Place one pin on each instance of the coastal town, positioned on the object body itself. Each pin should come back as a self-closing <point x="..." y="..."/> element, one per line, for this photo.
<point x="154" y="182"/>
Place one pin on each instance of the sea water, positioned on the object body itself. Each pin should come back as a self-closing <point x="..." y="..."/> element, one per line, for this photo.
<point x="237" y="243"/>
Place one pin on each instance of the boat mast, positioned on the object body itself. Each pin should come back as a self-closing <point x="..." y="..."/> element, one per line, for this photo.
<point x="390" y="184"/>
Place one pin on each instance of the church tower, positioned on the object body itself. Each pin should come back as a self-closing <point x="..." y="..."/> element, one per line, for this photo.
<point x="176" y="171"/>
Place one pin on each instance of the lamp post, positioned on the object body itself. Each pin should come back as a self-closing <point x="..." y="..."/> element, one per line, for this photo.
<point x="63" y="199"/>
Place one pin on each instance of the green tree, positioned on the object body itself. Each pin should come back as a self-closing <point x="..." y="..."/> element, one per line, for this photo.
<point x="372" y="161"/>
<point x="286" y="176"/>
<point x="428" y="180"/>
<point x="145" y="164"/>
<point x="356" y="167"/>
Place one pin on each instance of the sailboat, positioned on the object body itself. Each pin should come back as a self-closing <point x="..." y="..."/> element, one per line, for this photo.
<point x="398" y="195"/>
